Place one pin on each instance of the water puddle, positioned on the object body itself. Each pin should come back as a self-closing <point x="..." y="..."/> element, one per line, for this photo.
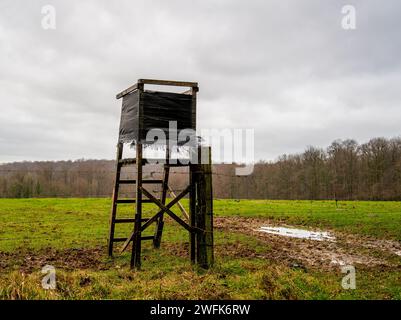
<point x="298" y="233"/>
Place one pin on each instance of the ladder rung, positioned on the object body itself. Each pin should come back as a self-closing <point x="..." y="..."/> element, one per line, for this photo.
<point x="129" y="220"/>
<point x="126" y="201"/>
<point x="143" y="181"/>
<point x="124" y="239"/>
<point x="152" y="181"/>
<point x="133" y="201"/>
<point x="147" y="238"/>
<point x="126" y="181"/>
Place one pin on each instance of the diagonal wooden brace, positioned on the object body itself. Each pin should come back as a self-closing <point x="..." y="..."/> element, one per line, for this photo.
<point x="167" y="210"/>
<point x="184" y="212"/>
<point x="157" y="215"/>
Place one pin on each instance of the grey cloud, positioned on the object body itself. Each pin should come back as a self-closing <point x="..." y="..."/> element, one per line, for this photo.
<point x="285" y="68"/>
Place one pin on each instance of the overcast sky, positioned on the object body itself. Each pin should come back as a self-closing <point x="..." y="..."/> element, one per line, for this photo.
<point x="285" y="68"/>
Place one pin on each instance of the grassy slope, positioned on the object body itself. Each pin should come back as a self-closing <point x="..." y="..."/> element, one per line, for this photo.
<point x="36" y="224"/>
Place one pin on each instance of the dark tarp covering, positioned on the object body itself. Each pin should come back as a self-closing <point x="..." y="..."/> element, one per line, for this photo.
<point x="158" y="109"/>
<point x="129" y="118"/>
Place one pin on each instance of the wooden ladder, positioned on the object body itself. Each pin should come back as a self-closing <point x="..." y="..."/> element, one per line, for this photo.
<point x="137" y="219"/>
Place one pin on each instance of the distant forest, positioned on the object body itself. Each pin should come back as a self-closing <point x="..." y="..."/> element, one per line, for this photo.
<point x="345" y="170"/>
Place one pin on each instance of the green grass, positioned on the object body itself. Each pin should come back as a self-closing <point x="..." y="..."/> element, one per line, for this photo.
<point x="32" y="226"/>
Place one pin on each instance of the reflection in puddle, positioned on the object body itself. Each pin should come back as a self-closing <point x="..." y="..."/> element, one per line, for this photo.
<point x="298" y="233"/>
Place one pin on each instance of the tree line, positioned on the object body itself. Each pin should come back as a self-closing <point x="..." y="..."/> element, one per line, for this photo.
<point x="345" y="170"/>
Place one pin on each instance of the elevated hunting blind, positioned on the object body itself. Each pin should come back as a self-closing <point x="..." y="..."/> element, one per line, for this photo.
<point x="143" y="111"/>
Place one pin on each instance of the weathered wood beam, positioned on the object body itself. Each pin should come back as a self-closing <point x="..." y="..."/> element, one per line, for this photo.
<point x="202" y="209"/>
<point x="169" y="83"/>
<point x="116" y="188"/>
<point x="183" y="211"/>
<point x="126" y="91"/>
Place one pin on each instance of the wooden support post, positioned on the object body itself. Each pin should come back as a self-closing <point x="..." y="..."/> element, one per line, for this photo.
<point x="201" y="205"/>
<point x="192" y="211"/>
<point x="115" y="197"/>
<point x="136" y="243"/>
<point x="205" y="252"/>
<point x="192" y="183"/>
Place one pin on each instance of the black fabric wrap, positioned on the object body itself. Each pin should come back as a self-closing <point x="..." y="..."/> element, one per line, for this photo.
<point x="158" y="108"/>
<point x="129" y="118"/>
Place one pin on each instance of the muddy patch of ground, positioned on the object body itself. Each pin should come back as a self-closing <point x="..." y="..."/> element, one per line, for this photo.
<point x="68" y="259"/>
<point x="345" y="250"/>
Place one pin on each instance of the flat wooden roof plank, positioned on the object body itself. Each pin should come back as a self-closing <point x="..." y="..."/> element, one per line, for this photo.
<point x="168" y="83"/>
<point x="126" y="91"/>
<point x="193" y="85"/>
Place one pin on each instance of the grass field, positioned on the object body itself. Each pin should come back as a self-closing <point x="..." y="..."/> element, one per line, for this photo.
<point x="71" y="235"/>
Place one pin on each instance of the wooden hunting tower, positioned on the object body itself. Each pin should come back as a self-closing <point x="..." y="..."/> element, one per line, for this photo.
<point x="144" y="110"/>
